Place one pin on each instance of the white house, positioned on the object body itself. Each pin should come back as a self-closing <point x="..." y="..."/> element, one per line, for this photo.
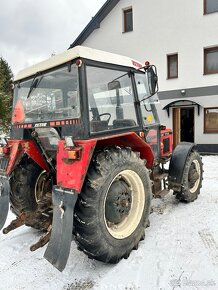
<point x="181" y="38"/>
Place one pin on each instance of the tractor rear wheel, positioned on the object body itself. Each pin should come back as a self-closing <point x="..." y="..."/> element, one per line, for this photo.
<point x="22" y="182"/>
<point x="112" y="210"/>
<point x="31" y="194"/>
<point x="192" y="178"/>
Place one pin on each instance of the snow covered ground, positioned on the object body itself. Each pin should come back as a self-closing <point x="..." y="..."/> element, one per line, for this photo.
<point x="180" y="251"/>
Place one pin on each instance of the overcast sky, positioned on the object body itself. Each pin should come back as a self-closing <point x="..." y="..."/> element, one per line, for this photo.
<point x="31" y="30"/>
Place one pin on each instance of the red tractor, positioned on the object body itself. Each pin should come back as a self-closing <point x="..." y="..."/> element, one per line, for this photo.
<point x="86" y="154"/>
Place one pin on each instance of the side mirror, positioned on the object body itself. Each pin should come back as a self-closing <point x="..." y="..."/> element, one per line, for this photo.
<point x="151" y="75"/>
<point x="117" y="99"/>
<point x="114" y="85"/>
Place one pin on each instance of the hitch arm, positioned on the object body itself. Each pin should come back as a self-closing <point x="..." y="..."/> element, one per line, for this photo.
<point x="58" y="249"/>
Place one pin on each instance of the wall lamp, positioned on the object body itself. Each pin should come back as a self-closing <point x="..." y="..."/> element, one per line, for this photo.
<point x="183" y="92"/>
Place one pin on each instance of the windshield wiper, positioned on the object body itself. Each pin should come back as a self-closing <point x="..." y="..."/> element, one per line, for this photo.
<point x="35" y="83"/>
<point x="148" y="97"/>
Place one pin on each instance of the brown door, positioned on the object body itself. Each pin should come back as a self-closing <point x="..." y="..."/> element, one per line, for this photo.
<point x="176" y="126"/>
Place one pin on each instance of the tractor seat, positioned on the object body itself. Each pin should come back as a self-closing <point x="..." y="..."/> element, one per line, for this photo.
<point x="97" y="126"/>
<point x="120" y="123"/>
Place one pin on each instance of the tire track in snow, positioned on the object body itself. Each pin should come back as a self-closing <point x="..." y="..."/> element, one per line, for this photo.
<point x="210" y="244"/>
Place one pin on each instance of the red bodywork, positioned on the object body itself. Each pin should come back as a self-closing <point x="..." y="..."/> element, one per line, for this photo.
<point x="18" y="148"/>
<point x="71" y="173"/>
<point x="166" y="142"/>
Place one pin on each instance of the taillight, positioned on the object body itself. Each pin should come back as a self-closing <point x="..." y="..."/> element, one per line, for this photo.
<point x="142" y="134"/>
<point x="75" y="153"/>
<point x="5" y="150"/>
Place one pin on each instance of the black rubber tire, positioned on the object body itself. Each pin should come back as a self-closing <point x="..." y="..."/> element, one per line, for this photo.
<point x="22" y="182"/>
<point x="90" y="230"/>
<point x="189" y="194"/>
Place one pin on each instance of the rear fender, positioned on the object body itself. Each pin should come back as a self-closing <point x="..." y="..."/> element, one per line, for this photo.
<point x="71" y="174"/>
<point x="177" y="162"/>
<point x="17" y="150"/>
<point x="133" y="141"/>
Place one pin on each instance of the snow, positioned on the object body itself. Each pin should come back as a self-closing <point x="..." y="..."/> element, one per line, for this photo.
<point x="180" y="251"/>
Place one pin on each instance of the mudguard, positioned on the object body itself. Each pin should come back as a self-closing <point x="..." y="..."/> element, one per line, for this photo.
<point x="4" y="199"/>
<point x="177" y="162"/>
<point x="58" y="249"/>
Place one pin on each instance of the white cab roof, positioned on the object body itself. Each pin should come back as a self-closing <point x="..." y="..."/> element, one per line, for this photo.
<point x="75" y="52"/>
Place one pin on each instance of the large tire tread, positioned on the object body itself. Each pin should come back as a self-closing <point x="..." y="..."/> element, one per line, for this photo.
<point x="185" y="195"/>
<point x="22" y="182"/>
<point x="90" y="235"/>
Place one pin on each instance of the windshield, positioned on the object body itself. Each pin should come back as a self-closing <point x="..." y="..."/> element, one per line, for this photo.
<point x="45" y="97"/>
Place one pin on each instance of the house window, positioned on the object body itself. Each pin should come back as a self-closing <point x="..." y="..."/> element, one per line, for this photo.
<point x="211" y="120"/>
<point x="211" y="60"/>
<point x="128" y="20"/>
<point x="172" y="66"/>
<point x="210" y="6"/>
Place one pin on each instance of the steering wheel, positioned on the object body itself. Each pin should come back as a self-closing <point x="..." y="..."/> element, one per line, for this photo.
<point x="106" y="114"/>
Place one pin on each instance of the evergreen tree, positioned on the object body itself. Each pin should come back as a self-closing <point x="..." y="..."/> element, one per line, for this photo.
<point x="6" y="79"/>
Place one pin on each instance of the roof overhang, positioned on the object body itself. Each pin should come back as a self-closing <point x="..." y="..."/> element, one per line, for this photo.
<point x="181" y="103"/>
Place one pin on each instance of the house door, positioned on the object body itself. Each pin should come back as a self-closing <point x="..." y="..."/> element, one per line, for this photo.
<point x="187" y="124"/>
<point x="183" y="125"/>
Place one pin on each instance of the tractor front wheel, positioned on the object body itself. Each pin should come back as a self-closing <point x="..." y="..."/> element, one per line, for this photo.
<point x="192" y="178"/>
<point x="113" y="208"/>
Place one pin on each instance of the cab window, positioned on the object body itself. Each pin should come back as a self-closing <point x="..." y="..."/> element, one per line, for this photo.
<point x="111" y="99"/>
<point x="147" y="103"/>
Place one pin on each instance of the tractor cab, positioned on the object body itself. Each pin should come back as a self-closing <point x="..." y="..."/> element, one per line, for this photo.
<point x="85" y="93"/>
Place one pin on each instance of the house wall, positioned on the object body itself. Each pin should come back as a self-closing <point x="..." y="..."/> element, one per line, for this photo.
<point x="161" y="28"/>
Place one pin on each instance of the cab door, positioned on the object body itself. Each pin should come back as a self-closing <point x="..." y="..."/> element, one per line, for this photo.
<point x="150" y="120"/>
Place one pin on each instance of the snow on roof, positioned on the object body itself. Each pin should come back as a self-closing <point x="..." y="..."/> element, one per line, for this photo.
<point x="75" y="52"/>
